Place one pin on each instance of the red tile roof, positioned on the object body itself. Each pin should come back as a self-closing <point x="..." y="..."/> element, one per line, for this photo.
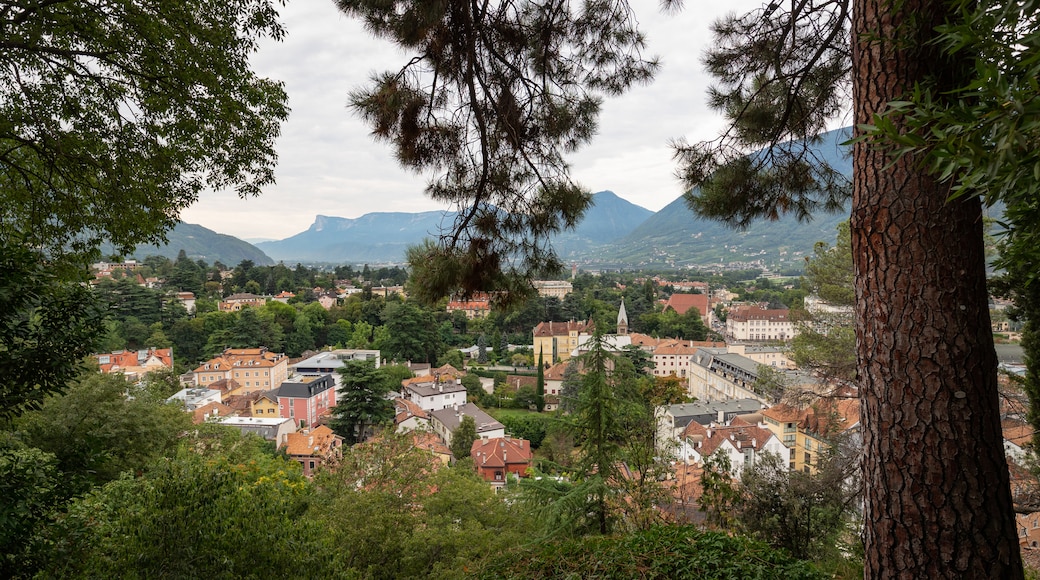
<point x="500" y="451"/>
<point x="681" y="303"/>
<point x="562" y="328"/>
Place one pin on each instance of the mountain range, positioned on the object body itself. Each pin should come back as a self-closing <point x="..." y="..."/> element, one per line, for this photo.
<point x="614" y="233"/>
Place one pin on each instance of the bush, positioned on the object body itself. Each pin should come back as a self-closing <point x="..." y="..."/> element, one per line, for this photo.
<point x="658" y="552"/>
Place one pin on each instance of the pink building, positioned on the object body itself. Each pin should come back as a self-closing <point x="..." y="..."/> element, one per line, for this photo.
<point x="306" y="399"/>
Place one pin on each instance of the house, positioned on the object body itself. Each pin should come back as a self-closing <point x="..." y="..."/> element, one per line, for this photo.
<point x="331" y="361"/>
<point x="743" y="441"/>
<point x="754" y="323"/>
<point x="476" y="306"/>
<point x="495" y="458"/>
<point x="553" y="288"/>
<point x="228" y="388"/>
<point x="327" y="300"/>
<point x="806" y="432"/>
<point x="673" y="419"/>
<point x="428" y="441"/>
<point x="187" y="299"/>
<point x="718" y="374"/>
<point x="264" y="404"/>
<point x="1018" y="437"/>
<point x="237" y="302"/>
<point x="283" y="296"/>
<point x="555" y="341"/>
<point x="431" y="393"/>
<point x="192" y="398"/>
<point x="409" y="416"/>
<point x="1028" y="525"/>
<point x="134" y="364"/>
<point x="554" y="384"/>
<point x="211" y="412"/>
<point x="274" y="429"/>
<point x="445" y="421"/>
<point x="256" y="369"/>
<point x="673" y="356"/>
<point x="314" y="448"/>
<point x="306" y="399"/>
<point x="682" y="303"/>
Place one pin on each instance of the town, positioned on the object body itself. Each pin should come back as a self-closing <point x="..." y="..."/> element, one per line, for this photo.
<point x="730" y="385"/>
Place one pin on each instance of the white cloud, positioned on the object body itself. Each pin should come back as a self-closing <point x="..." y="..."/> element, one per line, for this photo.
<point x="329" y="164"/>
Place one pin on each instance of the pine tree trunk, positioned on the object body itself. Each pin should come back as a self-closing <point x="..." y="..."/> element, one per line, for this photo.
<point x="938" y="503"/>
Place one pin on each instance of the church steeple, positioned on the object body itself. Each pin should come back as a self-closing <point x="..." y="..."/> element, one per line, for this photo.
<point x="622" y="319"/>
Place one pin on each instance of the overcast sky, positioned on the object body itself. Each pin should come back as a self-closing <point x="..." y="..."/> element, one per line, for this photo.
<point x="329" y="165"/>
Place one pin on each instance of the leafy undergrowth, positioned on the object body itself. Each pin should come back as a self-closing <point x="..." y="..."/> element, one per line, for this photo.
<point x="660" y="552"/>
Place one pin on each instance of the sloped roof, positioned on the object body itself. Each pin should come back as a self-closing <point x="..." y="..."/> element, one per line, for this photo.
<point x="500" y="452"/>
<point x="681" y="303"/>
<point x="739" y="436"/>
<point x="450" y="417"/>
<point x="745" y="313"/>
<point x="311" y="442"/>
<point x="407" y="409"/>
<point x="561" y="328"/>
<point x="126" y="359"/>
<point x="208" y="410"/>
<point x="243" y="358"/>
<point x="1018" y="432"/>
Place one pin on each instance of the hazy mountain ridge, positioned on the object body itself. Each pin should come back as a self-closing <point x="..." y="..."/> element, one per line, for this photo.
<point x="384" y="236"/>
<point x="613" y="233"/>
<point x="202" y="243"/>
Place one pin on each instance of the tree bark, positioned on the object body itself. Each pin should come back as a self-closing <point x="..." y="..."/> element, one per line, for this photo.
<point x="938" y="502"/>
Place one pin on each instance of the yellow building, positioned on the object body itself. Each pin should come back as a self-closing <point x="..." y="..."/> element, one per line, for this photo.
<point x="265" y="406"/>
<point x="255" y="369"/>
<point x="556" y="340"/>
<point x="805" y="432"/>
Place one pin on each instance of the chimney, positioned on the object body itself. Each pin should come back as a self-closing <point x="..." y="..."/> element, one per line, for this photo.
<point x="722" y="417"/>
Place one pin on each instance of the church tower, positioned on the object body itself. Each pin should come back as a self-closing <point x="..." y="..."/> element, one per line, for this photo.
<point x="622" y="319"/>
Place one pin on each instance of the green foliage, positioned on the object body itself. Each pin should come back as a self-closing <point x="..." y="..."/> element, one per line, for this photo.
<point x="663" y="552"/>
<point x="804" y="513"/>
<point x="463" y="437"/>
<point x="196" y="515"/>
<point x="131" y="105"/>
<point x="826" y="341"/>
<point x="829" y="273"/>
<point x="778" y="81"/>
<point x="48" y="323"/>
<point x="720" y="496"/>
<point x="530" y="426"/>
<point x="474" y="388"/>
<point x="411" y="333"/>
<point x="570" y="387"/>
<point x="361" y="399"/>
<point x="671" y="324"/>
<point x="391" y="514"/>
<point x="658" y="391"/>
<point x="96" y="432"/>
<point x="31" y="486"/>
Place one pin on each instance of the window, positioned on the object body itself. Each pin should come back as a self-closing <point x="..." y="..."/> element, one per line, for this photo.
<point x="311" y="463"/>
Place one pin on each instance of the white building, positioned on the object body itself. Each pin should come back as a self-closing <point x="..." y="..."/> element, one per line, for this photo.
<point x="757" y="324"/>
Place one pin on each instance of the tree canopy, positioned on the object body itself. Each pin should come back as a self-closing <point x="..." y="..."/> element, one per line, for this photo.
<point x="116" y="115"/>
<point x="493" y="97"/>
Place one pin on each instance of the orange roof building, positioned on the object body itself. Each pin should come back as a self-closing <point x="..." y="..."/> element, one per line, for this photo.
<point x="135" y="363"/>
<point x="555" y="341"/>
<point x="682" y="303"/>
<point x="495" y="458"/>
<point x="314" y="448"/>
<point x="255" y="369"/>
